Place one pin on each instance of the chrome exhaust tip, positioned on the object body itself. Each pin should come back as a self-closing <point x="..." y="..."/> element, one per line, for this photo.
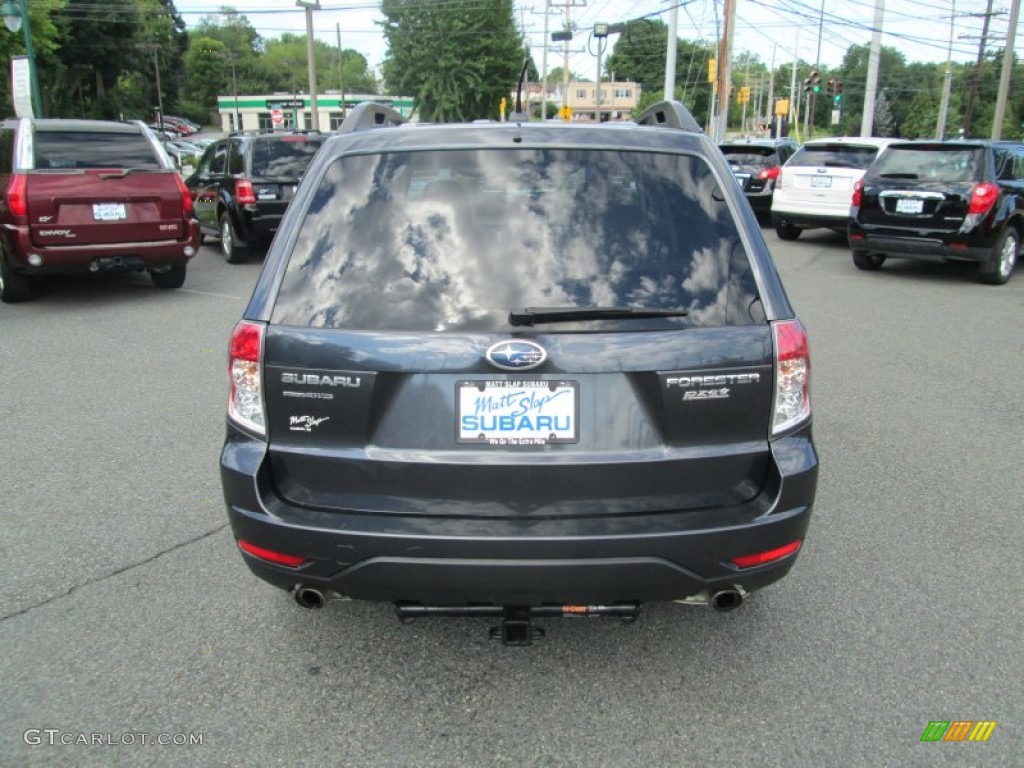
<point x="726" y="600"/>
<point x="310" y="597"/>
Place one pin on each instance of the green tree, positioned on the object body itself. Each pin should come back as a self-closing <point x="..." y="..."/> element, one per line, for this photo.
<point x="921" y="117"/>
<point x="458" y="61"/>
<point x="46" y="43"/>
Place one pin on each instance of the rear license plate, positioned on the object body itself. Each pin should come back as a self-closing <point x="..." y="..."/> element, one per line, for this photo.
<point x="821" y="181"/>
<point x="511" y="413"/>
<point x="108" y="211"/>
<point x="905" y="205"/>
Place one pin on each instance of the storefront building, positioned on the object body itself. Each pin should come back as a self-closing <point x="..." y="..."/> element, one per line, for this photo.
<point x="293" y="111"/>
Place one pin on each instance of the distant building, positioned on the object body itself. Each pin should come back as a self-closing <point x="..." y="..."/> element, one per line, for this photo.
<point x="618" y="99"/>
<point x="257" y="113"/>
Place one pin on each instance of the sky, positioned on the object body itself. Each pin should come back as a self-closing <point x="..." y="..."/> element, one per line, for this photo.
<point x="815" y="30"/>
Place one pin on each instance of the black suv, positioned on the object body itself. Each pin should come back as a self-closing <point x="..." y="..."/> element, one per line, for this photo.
<point x="520" y="368"/>
<point x="942" y="201"/>
<point x="244" y="183"/>
<point x="756" y="164"/>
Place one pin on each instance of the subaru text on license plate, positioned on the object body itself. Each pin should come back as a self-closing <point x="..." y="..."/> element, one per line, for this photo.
<point x="510" y="413"/>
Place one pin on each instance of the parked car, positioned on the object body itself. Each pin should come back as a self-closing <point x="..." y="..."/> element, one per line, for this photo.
<point x="519" y="368"/>
<point x="90" y="196"/>
<point x="942" y="201"/>
<point x="244" y="183"/>
<point x="756" y="164"/>
<point x="814" y="186"/>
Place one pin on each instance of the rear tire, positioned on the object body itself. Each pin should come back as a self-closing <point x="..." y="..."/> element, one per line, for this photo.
<point x="999" y="267"/>
<point x="172" y="278"/>
<point x="234" y="250"/>
<point x="787" y="231"/>
<point x="14" y="287"/>
<point x="868" y="261"/>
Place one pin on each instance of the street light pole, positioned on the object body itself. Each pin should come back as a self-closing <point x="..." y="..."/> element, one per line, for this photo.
<point x="15" y="18"/>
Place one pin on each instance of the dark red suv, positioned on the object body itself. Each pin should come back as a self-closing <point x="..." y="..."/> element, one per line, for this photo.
<point x="90" y="196"/>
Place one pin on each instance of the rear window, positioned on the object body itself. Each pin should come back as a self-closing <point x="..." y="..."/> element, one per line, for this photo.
<point x="834" y="156"/>
<point x="286" y="157"/>
<point x="749" y="155"/>
<point x="89" y="149"/>
<point x="453" y="240"/>
<point x="938" y="163"/>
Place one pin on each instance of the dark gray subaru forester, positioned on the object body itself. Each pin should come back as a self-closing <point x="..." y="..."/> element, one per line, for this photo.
<point x="519" y="370"/>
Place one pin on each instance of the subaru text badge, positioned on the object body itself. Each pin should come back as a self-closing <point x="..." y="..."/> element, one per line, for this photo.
<point x="516" y="355"/>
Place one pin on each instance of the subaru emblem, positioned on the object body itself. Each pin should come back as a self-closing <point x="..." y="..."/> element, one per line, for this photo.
<point x="516" y="355"/>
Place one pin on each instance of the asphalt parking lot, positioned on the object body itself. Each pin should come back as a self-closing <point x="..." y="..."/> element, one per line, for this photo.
<point x="127" y="613"/>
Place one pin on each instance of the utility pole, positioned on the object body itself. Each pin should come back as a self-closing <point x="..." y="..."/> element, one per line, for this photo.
<point x="771" y="91"/>
<point x="310" y="6"/>
<point x="341" y="73"/>
<point x="670" y="52"/>
<point x="794" y="94"/>
<point x="544" y="66"/>
<point x="947" y="82"/>
<point x="969" y="109"/>
<point x="725" y="70"/>
<point x="868" y="116"/>
<point x="1004" y="77"/>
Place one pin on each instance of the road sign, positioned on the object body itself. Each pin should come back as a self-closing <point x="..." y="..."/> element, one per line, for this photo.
<point x="565" y="113"/>
<point x="277" y="117"/>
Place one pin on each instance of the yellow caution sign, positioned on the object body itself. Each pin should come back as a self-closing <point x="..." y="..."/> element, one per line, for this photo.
<point x="501" y="107"/>
<point x="565" y="113"/>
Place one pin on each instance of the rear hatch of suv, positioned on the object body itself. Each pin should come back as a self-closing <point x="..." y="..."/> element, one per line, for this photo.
<point x="819" y="177"/>
<point x="101" y="186"/>
<point x="754" y="166"/>
<point x="530" y="333"/>
<point x="277" y="164"/>
<point x="924" y="188"/>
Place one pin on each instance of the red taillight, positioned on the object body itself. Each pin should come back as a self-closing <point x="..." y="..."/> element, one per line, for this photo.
<point x="17" y="197"/>
<point x="769" y="173"/>
<point x="278" y="558"/>
<point x="983" y="197"/>
<point x="792" y="376"/>
<point x="186" y="196"/>
<point x="244" y="192"/>
<point x="245" y="401"/>
<point x="858" y="193"/>
<point x="769" y="556"/>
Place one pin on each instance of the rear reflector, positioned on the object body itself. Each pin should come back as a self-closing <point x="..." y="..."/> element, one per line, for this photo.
<point x="792" y="376"/>
<point x="278" y="558"/>
<point x="770" y="556"/>
<point x="245" y="401"/>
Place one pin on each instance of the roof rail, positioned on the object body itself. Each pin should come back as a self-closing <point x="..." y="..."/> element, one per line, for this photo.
<point x="369" y="115"/>
<point x="671" y="114"/>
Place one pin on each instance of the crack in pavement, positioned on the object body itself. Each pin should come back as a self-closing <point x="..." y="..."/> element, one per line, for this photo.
<point x="119" y="571"/>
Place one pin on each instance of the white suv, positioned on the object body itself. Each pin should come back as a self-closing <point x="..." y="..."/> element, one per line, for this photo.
<point x="816" y="184"/>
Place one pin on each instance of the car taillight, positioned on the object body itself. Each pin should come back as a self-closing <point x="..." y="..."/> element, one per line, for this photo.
<point x="17" y="199"/>
<point x="769" y="173"/>
<point x="792" y="375"/>
<point x="245" y="402"/>
<point x="244" y="192"/>
<point x="983" y="197"/>
<point x="186" y="196"/>
<point x="858" y="193"/>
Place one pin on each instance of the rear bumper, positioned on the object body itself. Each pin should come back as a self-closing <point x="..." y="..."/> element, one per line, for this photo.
<point x="924" y="248"/>
<point x="809" y="220"/>
<point x="461" y="561"/>
<point x="64" y="259"/>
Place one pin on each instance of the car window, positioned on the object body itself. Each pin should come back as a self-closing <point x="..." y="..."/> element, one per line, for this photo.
<point x="938" y="163"/>
<point x="743" y="155"/>
<point x="288" y="156"/>
<point x="6" y="149"/>
<point x="455" y="239"/>
<point x="1004" y="164"/>
<point x="219" y="163"/>
<point x="1019" y="165"/>
<point x="236" y="159"/>
<point x="93" y="149"/>
<point x="834" y="156"/>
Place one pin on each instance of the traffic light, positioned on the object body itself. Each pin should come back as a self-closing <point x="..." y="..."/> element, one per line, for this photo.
<point x="743" y="95"/>
<point x="812" y="83"/>
<point x="831" y="87"/>
<point x="712" y="70"/>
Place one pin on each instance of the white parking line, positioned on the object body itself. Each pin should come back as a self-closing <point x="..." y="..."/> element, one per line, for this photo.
<point x="207" y="293"/>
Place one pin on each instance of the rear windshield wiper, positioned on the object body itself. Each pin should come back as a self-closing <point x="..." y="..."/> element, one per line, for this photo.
<point x="534" y="315"/>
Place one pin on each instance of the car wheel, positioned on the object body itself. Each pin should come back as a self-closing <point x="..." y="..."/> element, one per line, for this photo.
<point x="13" y="286"/>
<point x="787" y="231"/>
<point x="868" y="261"/>
<point x="999" y="267"/>
<point x="234" y="250"/>
<point x="174" y="277"/>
